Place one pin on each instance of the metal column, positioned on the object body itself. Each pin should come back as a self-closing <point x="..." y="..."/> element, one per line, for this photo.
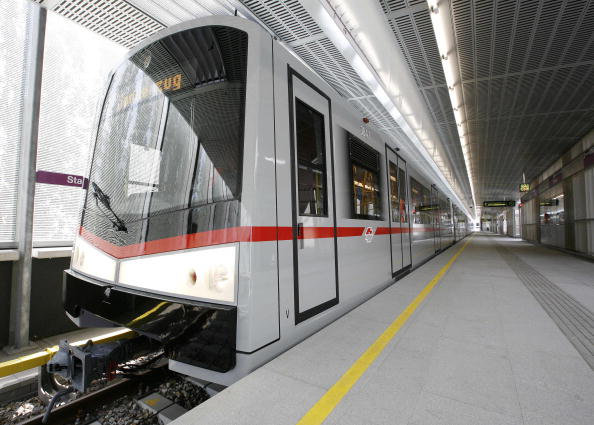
<point x="21" y="271"/>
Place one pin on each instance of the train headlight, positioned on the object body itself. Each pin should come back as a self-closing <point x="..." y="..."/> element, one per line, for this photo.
<point x="219" y="278"/>
<point x="207" y="274"/>
<point x="91" y="261"/>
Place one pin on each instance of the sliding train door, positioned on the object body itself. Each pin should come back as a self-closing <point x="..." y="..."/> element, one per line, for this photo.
<point x="399" y="214"/>
<point x="312" y="189"/>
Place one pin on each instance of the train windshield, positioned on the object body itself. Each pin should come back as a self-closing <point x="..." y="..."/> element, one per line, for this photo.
<point x="170" y="136"/>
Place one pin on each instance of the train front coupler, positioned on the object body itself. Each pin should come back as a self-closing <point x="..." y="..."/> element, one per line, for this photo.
<point x="81" y="365"/>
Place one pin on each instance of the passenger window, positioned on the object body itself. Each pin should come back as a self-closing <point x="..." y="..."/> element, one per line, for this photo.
<point x="177" y="155"/>
<point x="422" y="210"/>
<point x="403" y="213"/>
<point x="394" y="192"/>
<point x="365" y="166"/>
<point x="311" y="161"/>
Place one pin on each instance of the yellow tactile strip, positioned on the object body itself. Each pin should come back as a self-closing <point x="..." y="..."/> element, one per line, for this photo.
<point x="572" y="317"/>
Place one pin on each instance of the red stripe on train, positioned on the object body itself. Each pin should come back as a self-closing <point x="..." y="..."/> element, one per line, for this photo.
<point x="229" y="235"/>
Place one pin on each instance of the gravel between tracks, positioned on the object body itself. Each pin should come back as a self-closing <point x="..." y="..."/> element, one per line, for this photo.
<point x="124" y="411"/>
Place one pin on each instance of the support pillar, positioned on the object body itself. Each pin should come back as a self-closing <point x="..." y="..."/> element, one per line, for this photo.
<point x="21" y="272"/>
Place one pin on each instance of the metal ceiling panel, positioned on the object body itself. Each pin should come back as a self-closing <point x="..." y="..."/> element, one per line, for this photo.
<point x="291" y="22"/>
<point x="410" y="22"/>
<point x="116" y="20"/>
<point x="527" y="79"/>
<point x="528" y="82"/>
<point x="288" y="19"/>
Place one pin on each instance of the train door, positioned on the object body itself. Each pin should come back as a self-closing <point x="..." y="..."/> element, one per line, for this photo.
<point x="312" y="180"/>
<point x="399" y="215"/>
<point x="436" y="222"/>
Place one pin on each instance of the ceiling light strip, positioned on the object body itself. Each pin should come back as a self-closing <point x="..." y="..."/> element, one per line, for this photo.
<point x="337" y="32"/>
<point x="441" y="22"/>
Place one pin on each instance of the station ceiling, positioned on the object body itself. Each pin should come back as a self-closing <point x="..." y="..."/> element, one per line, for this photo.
<point x="526" y="69"/>
<point x="528" y="79"/>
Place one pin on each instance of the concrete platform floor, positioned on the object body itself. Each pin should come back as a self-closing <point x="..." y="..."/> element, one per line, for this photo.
<point x="480" y="350"/>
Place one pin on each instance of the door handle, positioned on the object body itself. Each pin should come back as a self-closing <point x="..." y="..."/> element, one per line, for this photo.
<point x="300" y="235"/>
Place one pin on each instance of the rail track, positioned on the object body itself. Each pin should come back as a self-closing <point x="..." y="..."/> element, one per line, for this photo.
<point x="82" y="410"/>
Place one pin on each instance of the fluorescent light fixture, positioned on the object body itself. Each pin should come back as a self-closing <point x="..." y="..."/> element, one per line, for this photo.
<point x="400" y="111"/>
<point x="91" y="261"/>
<point x="446" y="46"/>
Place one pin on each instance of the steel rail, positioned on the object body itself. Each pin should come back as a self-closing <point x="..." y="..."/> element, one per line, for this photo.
<point x="67" y="413"/>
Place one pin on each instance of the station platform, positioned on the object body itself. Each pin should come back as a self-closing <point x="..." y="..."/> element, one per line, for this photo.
<point x="506" y="336"/>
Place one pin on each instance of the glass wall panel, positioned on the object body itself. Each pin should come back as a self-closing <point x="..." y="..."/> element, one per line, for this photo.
<point x="76" y="66"/>
<point x="14" y="22"/>
<point x="552" y="210"/>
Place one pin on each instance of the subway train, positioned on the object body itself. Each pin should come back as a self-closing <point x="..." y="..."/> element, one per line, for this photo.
<point x="236" y="204"/>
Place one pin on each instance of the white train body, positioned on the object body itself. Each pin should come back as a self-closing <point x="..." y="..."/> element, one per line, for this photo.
<point x="321" y="220"/>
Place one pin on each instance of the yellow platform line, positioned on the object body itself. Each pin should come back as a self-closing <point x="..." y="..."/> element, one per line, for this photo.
<point x="40" y="358"/>
<point x="328" y="402"/>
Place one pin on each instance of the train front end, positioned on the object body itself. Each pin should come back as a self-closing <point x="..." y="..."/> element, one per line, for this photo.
<point x="158" y="248"/>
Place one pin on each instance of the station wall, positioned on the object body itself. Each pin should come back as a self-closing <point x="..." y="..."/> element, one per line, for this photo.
<point x="76" y="66"/>
<point x="508" y="223"/>
<point x="559" y="210"/>
<point x="5" y="284"/>
<point x="47" y="314"/>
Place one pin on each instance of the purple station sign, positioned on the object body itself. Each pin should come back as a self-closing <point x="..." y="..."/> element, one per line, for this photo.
<point x="61" y="179"/>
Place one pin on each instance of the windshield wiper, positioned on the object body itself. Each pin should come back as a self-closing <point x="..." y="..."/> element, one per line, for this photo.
<point x="100" y="196"/>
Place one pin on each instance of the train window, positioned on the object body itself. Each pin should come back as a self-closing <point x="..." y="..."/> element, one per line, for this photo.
<point x="403" y="213"/>
<point x="170" y="135"/>
<point x="365" y="167"/>
<point x="178" y="151"/>
<point x="444" y="209"/>
<point x="311" y="160"/>
<point x="394" y="204"/>
<point x="422" y="209"/>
